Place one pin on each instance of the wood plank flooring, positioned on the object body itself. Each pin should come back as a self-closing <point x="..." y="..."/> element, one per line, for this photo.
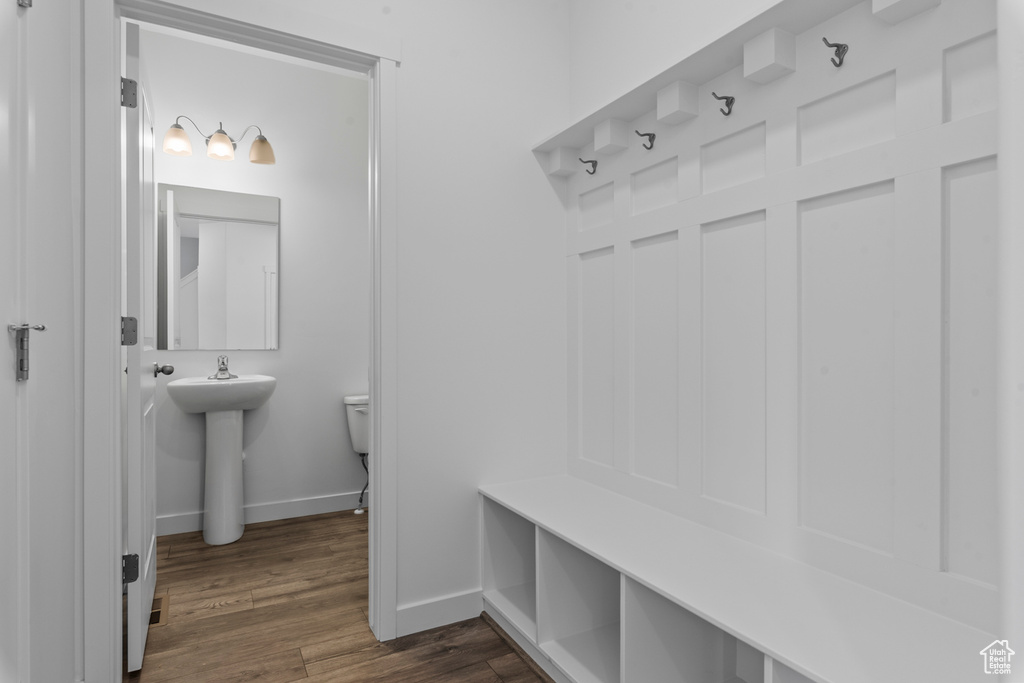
<point x="288" y="602"/>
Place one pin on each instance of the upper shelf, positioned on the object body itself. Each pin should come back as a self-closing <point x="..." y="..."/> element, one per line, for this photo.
<point x="714" y="59"/>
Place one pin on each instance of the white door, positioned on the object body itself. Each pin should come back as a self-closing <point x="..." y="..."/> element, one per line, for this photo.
<point x="39" y="273"/>
<point x="140" y="415"/>
<point x="9" y="313"/>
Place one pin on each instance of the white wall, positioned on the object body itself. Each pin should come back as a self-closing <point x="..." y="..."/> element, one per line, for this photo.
<point x="481" y="374"/>
<point x="480" y="377"/>
<point x="297" y="446"/>
<point x="616" y="45"/>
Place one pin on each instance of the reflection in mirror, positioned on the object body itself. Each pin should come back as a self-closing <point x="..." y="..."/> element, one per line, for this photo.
<point x="217" y="261"/>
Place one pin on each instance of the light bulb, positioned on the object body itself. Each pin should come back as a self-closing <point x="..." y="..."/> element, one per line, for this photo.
<point x="220" y="147"/>
<point x="176" y="142"/>
<point x="261" y="152"/>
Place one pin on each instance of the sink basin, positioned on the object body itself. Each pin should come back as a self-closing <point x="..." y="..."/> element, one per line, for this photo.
<point x="202" y="395"/>
<point x="223" y="401"/>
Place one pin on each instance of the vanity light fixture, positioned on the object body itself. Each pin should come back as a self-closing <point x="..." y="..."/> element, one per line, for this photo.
<point x="219" y="146"/>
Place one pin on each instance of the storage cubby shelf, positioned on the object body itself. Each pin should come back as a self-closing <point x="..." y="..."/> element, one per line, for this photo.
<point x="517" y="603"/>
<point x="578" y="611"/>
<point x="588" y="657"/>
<point x="826" y="628"/>
<point x="509" y="566"/>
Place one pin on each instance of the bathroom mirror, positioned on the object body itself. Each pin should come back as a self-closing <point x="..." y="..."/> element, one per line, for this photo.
<point x="217" y="264"/>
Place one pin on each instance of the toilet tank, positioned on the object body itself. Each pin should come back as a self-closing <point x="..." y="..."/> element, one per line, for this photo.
<point x="357" y="409"/>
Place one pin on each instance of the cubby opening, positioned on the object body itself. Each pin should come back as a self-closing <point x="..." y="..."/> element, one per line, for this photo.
<point x="665" y="643"/>
<point x="510" y="566"/>
<point x="578" y="611"/>
<point x="783" y="674"/>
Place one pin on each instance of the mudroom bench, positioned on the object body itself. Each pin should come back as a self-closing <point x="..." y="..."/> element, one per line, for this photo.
<point x="600" y="588"/>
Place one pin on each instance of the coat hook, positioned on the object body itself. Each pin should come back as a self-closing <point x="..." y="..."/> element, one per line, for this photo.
<point x="729" y="101"/>
<point x="650" y="139"/>
<point x="593" y="165"/>
<point x="840" y="49"/>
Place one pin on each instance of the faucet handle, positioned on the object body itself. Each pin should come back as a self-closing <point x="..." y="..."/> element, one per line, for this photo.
<point x="222" y="369"/>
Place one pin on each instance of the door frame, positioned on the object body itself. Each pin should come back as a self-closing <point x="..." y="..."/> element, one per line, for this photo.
<point x="102" y="495"/>
<point x="1010" y="317"/>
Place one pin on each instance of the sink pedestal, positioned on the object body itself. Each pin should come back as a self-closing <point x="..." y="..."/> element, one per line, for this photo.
<point x="223" y="514"/>
<point x="223" y="401"/>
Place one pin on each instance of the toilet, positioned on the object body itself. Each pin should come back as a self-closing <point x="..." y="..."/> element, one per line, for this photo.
<point x="357" y="409"/>
<point x="358" y="413"/>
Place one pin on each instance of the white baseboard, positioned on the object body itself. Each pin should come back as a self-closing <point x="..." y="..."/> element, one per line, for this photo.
<point x="420" y="616"/>
<point x="263" y="512"/>
<point x="179" y="523"/>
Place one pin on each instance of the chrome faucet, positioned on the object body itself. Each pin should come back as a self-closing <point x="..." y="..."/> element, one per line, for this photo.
<point x="222" y="369"/>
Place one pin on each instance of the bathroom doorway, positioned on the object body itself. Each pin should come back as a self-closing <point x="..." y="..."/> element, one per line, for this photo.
<point x="281" y="291"/>
<point x="313" y="241"/>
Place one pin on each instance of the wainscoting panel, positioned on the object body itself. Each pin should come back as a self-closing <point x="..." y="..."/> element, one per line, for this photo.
<point x="655" y="375"/>
<point x="847" y="365"/>
<point x="733" y="287"/>
<point x="656" y="186"/>
<point x="969" y="223"/>
<point x="781" y="322"/>
<point x="854" y="118"/>
<point x="597" y="356"/>
<point x="734" y="159"/>
<point x="597" y="207"/>
<point x="970" y="82"/>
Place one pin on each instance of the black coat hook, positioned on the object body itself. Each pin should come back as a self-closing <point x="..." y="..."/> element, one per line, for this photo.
<point x="840" y="49"/>
<point x="729" y="101"/>
<point x="593" y="165"/>
<point x="650" y="139"/>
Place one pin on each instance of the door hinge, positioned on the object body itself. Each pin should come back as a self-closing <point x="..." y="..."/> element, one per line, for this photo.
<point x="129" y="93"/>
<point x="129" y="568"/>
<point x="21" y="346"/>
<point x="129" y="331"/>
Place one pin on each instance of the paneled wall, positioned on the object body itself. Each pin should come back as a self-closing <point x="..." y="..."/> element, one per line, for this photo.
<point x="781" y="322"/>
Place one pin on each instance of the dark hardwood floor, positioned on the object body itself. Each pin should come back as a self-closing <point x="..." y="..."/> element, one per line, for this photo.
<point x="287" y="602"/>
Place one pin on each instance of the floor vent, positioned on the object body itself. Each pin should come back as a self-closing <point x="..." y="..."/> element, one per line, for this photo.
<point x="158" y="616"/>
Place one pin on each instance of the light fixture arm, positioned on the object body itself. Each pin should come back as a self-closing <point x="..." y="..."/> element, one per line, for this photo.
<point x="234" y="141"/>
<point x="258" y="131"/>
<point x="177" y="123"/>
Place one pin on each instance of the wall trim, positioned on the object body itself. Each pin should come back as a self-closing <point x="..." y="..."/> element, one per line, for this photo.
<point x="100" y="369"/>
<point x="295" y="32"/>
<point x="420" y="616"/>
<point x="182" y="522"/>
<point x="383" y="460"/>
<point x="1010" y="294"/>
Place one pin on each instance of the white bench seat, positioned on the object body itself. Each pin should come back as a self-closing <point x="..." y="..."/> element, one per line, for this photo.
<point x="825" y="628"/>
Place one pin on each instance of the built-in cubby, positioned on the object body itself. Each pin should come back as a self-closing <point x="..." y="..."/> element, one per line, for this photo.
<point x="770" y="245"/>
<point x="509" y="565"/>
<point x="783" y="674"/>
<point x="599" y="588"/>
<point x="665" y="643"/>
<point x="578" y="611"/>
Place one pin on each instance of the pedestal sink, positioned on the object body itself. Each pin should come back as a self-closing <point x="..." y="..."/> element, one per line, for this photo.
<point x="223" y="401"/>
